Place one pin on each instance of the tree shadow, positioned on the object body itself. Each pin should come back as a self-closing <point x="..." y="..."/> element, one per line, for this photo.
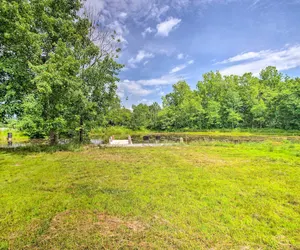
<point x="31" y="149"/>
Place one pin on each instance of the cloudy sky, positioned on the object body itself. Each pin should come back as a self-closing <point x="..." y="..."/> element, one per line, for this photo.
<point x="164" y="41"/>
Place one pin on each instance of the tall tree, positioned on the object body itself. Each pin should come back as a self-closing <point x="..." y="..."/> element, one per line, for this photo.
<point x="140" y="116"/>
<point x="61" y="69"/>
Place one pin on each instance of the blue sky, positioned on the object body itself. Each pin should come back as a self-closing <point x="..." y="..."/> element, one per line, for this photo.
<point x="170" y="40"/>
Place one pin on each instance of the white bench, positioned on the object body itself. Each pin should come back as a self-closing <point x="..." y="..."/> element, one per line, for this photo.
<point x="112" y="141"/>
<point x="119" y="142"/>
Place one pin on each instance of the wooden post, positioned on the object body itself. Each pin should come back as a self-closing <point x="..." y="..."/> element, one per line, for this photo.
<point x="129" y="139"/>
<point x="81" y="130"/>
<point x="157" y="138"/>
<point x="9" y="139"/>
<point x="53" y="137"/>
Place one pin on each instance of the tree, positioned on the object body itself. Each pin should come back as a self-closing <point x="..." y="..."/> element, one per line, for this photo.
<point x="56" y="89"/>
<point x="99" y="91"/>
<point x="140" y="116"/>
<point x="19" y="45"/>
<point x="119" y="116"/>
<point x="213" y="118"/>
<point x="232" y="101"/>
<point x="233" y="118"/>
<point x="259" y="113"/>
<point x="231" y="104"/>
<point x="60" y="68"/>
<point x="154" y="111"/>
<point x="181" y="91"/>
<point x="98" y="73"/>
<point x="288" y="105"/>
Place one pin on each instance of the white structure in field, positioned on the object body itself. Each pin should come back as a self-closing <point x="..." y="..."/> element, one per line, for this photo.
<point x="112" y="141"/>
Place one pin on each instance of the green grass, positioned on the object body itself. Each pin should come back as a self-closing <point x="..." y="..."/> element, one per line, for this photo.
<point x="17" y="136"/>
<point x="123" y="132"/>
<point x="118" y="132"/>
<point x="248" y="131"/>
<point x="212" y="195"/>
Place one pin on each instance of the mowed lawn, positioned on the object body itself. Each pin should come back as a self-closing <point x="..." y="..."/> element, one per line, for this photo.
<point x="201" y="196"/>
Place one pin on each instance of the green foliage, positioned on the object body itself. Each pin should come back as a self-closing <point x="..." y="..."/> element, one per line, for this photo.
<point x="53" y="76"/>
<point x="140" y="116"/>
<point x="119" y="116"/>
<point x="223" y="102"/>
<point x="17" y="136"/>
<point x="213" y="118"/>
<point x="119" y="132"/>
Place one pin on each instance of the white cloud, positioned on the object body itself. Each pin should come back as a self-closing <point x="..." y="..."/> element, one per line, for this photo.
<point x="123" y="15"/>
<point x="144" y="87"/>
<point x="146" y="101"/>
<point x="246" y="56"/>
<point x="142" y="54"/>
<point x="180" y="56"/>
<point x="157" y="11"/>
<point x="181" y="67"/>
<point x="157" y="47"/>
<point x="143" y="10"/>
<point x="164" y="28"/>
<point x="163" y="80"/>
<point x="148" y="30"/>
<point x="283" y="59"/>
<point x="138" y="10"/>
<point x="163" y="10"/>
<point x="140" y="88"/>
<point x="146" y="62"/>
<point x="178" y="68"/>
<point x="94" y="6"/>
<point x="127" y="87"/>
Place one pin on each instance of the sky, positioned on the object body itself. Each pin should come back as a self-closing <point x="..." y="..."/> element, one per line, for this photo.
<point x="164" y="41"/>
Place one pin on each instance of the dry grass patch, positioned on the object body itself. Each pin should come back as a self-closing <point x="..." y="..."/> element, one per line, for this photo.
<point x="92" y="230"/>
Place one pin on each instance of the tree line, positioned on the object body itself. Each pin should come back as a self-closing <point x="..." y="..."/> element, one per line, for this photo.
<point x="271" y="100"/>
<point x="58" y="69"/>
<point x="59" y="74"/>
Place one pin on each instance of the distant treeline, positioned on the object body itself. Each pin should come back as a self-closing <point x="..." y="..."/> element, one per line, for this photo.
<point x="271" y="100"/>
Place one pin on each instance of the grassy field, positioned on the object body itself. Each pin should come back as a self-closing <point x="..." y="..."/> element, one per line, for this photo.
<point x="17" y="136"/>
<point x="200" y="196"/>
<point x="190" y="136"/>
<point x="124" y="132"/>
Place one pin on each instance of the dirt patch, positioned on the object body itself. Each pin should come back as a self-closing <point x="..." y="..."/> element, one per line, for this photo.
<point x="92" y="230"/>
<point x="111" y="223"/>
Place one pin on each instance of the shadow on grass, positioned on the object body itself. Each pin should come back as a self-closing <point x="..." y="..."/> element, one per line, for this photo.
<point x="24" y="150"/>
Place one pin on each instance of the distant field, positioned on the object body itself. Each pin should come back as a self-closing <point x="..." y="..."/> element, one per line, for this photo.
<point x="17" y="135"/>
<point x="239" y="135"/>
<point x="209" y="195"/>
<point x="121" y="133"/>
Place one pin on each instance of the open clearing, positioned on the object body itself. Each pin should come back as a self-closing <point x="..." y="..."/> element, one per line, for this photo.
<point x="202" y="196"/>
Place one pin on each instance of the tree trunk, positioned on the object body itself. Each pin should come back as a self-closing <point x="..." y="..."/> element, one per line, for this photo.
<point x="81" y="130"/>
<point x="53" y="137"/>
